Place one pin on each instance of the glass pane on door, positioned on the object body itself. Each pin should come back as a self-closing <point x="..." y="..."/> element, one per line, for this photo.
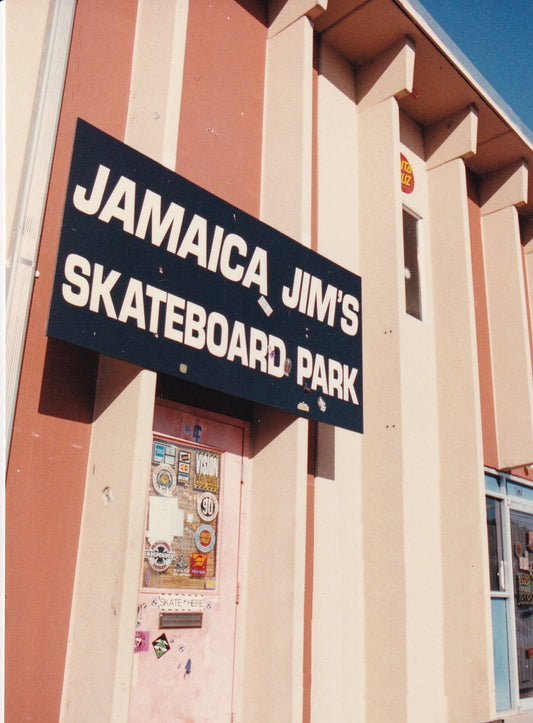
<point x="502" y="670"/>
<point x="522" y="551"/>
<point x="494" y="534"/>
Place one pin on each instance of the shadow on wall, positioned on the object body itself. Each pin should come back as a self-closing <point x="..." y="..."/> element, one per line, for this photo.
<point x="69" y="382"/>
<point x="269" y="422"/>
<point x="68" y="391"/>
<point x="256" y="8"/>
<point x="194" y="395"/>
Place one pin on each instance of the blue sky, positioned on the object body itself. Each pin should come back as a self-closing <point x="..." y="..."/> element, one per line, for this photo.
<point x="497" y="37"/>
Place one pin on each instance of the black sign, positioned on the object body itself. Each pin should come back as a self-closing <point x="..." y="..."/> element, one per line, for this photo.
<point x="159" y="272"/>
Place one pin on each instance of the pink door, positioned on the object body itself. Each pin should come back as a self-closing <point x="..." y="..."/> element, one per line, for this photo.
<point x="184" y="659"/>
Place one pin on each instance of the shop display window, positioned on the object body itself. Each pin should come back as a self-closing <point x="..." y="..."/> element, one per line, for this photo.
<point x="509" y="506"/>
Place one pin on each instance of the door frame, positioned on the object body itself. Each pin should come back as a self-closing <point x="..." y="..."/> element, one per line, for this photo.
<point x="244" y="427"/>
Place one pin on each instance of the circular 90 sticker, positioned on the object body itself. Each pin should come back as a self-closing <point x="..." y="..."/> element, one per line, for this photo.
<point x="207" y="506"/>
<point x="164" y="480"/>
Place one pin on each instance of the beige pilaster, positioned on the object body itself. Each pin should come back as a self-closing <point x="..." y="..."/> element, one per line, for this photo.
<point x="274" y="651"/>
<point x="102" y="624"/>
<point x="381" y="263"/>
<point x="338" y="670"/>
<point x="273" y="594"/>
<point x="510" y="345"/>
<point x="510" y="342"/>
<point x="420" y="458"/>
<point x="157" y="79"/>
<point x="466" y="623"/>
<point x="99" y="657"/>
<point x="287" y="132"/>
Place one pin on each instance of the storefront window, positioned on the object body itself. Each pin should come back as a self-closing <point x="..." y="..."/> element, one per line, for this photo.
<point x="509" y="506"/>
<point x="522" y="547"/>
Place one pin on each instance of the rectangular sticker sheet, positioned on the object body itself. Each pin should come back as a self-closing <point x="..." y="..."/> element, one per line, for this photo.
<point x="182" y="517"/>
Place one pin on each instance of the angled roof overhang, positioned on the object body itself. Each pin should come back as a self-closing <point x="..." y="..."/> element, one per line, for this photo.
<point x="445" y="82"/>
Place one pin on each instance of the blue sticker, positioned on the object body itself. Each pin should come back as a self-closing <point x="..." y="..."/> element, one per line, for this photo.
<point x="159" y="452"/>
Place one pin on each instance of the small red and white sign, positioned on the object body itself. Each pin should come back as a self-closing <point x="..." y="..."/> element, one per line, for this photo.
<point x="407" y="175"/>
<point x="198" y="564"/>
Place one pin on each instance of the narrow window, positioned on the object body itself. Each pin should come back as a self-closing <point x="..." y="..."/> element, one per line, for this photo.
<point x="413" y="302"/>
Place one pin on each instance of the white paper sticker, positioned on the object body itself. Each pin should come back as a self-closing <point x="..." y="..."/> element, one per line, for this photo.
<point x="263" y="303"/>
<point x="165" y="519"/>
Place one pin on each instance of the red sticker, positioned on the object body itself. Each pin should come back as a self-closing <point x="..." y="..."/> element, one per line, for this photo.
<point x="142" y="639"/>
<point x="408" y="177"/>
<point x="198" y="565"/>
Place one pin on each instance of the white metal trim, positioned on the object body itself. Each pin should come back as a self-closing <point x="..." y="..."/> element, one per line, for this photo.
<point x="29" y="216"/>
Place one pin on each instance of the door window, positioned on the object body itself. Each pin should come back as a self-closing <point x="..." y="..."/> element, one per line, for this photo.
<point x="182" y="517"/>
<point x="522" y="548"/>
